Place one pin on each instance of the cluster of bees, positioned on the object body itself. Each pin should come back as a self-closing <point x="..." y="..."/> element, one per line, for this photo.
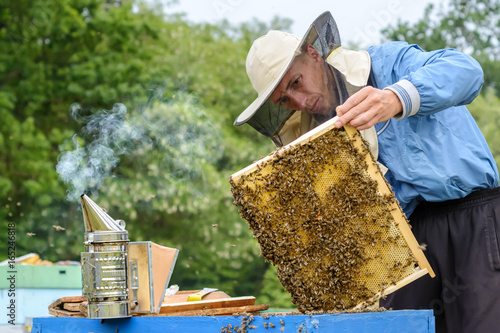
<point x="246" y="324"/>
<point x="320" y="218"/>
<point x="243" y="328"/>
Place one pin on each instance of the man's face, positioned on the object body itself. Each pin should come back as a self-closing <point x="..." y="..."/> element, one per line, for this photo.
<point x="305" y="85"/>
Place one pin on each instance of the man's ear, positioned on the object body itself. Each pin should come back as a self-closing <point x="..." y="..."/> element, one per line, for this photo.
<point x="311" y="50"/>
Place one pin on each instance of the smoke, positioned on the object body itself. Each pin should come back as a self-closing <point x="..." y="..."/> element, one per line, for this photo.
<point x="85" y="168"/>
<point x="166" y="146"/>
<point x="109" y="134"/>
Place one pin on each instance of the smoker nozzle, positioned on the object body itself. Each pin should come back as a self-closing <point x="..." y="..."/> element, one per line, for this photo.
<point x="96" y="218"/>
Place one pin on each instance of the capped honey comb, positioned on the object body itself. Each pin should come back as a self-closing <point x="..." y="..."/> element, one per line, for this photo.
<point x="324" y="215"/>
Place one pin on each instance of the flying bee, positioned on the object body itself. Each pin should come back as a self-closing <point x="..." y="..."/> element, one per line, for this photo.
<point x="422" y="246"/>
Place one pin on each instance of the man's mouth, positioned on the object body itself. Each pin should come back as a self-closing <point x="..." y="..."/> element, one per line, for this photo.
<point x="315" y="107"/>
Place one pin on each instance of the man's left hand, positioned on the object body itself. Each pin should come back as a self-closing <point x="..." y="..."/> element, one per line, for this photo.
<point x="368" y="107"/>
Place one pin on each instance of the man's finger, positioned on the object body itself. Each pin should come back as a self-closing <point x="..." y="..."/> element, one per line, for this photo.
<point x="352" y="101"/>
<point x="353" y="113"/>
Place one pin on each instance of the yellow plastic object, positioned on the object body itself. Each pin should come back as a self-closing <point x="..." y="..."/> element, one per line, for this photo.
<point x="30" y="259"/>
<point x="199" y="295"/>
<point x="325" y="216"/>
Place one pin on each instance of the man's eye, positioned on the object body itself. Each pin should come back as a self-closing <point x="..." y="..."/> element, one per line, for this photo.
<point x="283" y="100"/>
<point x="296" y="82"/>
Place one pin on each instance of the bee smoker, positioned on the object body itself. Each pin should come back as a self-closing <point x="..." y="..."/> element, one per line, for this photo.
<point x="104" y="263"/>
<point x="120" y="277"/>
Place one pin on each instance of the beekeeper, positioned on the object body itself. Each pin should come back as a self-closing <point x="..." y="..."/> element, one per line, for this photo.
<point x="410" y="106"/>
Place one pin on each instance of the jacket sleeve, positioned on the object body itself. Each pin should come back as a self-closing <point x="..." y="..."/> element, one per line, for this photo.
<point x="425" y="82"/>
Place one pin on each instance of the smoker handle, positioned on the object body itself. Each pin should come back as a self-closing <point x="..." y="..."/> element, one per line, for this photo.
<point x="134" y="282"/>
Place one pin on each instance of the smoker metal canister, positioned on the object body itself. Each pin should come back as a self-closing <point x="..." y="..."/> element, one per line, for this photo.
<point x="104" y="264"/>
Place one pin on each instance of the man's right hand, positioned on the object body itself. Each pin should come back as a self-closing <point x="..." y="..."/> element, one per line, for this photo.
<point x="368" y="107"/>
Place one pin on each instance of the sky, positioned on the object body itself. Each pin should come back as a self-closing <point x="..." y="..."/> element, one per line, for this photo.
<point x="358" y="21"/>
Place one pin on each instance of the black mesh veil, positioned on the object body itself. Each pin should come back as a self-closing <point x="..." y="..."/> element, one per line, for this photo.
<point x="324" y="36"/>
<point x="269" y="120"/>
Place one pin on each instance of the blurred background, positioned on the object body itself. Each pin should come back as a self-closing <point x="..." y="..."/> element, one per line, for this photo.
<point x="133" y="103"/>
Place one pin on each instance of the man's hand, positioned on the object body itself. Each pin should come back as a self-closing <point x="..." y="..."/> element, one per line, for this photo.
<point x="368" y="107"/>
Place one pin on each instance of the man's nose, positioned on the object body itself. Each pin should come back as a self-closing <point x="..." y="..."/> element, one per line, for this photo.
<point x="299" y="101"/>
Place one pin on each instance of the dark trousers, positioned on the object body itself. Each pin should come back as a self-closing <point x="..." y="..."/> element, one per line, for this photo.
<point x="463" y="249"/>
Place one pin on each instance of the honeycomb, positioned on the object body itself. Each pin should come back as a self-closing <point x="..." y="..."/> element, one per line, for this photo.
<point x="323" y="214"/>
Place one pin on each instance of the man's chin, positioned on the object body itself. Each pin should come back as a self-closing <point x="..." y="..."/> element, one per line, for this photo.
<point x="320" y="111"/>
<point x="325" y="112"/>
<point x="321" y="118"/>
<point x="316" y="111"/>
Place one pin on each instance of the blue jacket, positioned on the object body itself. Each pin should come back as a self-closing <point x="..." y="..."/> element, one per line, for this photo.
<point x="435" y="151"/>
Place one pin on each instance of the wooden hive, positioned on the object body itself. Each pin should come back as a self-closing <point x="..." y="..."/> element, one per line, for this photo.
<point x="325" y="216"/>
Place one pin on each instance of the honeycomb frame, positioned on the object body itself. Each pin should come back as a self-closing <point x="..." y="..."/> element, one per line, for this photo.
<point x="324" y="215"/>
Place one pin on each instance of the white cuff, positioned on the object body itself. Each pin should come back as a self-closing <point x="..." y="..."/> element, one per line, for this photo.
<point x="409" y="97"/>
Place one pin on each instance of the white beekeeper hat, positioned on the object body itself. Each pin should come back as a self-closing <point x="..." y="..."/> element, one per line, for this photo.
<point x="267" y="62"/>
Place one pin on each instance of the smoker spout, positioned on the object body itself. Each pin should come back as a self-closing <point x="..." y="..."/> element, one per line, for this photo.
<point x="96" y="219"/>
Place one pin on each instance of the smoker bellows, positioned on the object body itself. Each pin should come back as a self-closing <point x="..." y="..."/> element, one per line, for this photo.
<point x="324" y="215"/>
